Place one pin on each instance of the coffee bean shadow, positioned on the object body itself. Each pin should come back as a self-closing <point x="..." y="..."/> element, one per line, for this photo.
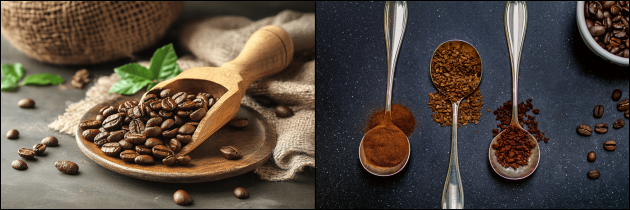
<point x="373" y="179"/>
<point x="507" y="181"/>
<point x="592" y="64"/>
<point x="45" y="154"/>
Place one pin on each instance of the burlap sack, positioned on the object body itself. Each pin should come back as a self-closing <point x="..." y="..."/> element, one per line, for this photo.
<point x="85" y="32"/>
<point x="217" y="40"/>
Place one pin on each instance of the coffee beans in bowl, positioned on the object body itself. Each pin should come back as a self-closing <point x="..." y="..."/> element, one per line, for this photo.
<point x="603" y="25"/>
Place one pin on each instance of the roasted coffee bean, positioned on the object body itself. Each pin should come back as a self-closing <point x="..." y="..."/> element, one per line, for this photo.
<point x="184" y="139"/>
<point x="619" y="124"/>
<point x="190" y="97"/>
<point x="183" y="160"/>
<point x="13" y="134"/>
<point x="187" y="129"/>
<point x="597" y="30"/>
<point x="19" y="165"/>
<point x="102" y="130"/>
<point x="198" y="115"/>
<point x="152" y="142"/>
<point x="136" y="126"/>
<point x="230" y="152"/>
<point x="148" y="98"/>
<point x="109" y="111"/>
<point x="175" y="145"/>
<point x="598" y="111"/>
<point x="129" y="155"/>
<point x="593" y="174"/>
<point x="67" y="167"/>
<point x="139" y="111"/>
<point x="165" y="114"/>
<point x="26" y="153"/>
<point x="200" y="103"/>
<point x="114" y="121"/>
<point x="182" y="198"/>
<point x="157" y="121"/>
<point x="186" y="105"/>
<point x="192" y="123"/>
<point x="616" y="95"/>
<point x="112" y="149"/>
<point x="90" y="124"/>
<point x="155" y="114"/>
<point x="116" y="136"/>
<point x="126" y="145"/>
<point x="50" y="141"/>
<point x="101" y="137"/>
<point x="584" y="130"/>
<point x="591" y="156"/>
<point x="264" y="101"/>
<point x="168" y="105"/>
<point x="127" y="122"/>
<point x="26" y="103"/>
<point x="610" y="145"/>
<point x="137" y="139"/>
<point x="241" y="193"/>
<point x="144" y="160"/>
<point x="622" y="105"/>
<point x="626" y="114"/>
<point x="156" y="105"/>
<point x="100" y="118"/>
<point x="179" y="97"/>
<point x="184" y="114"/>
<point x="161" y="151"/>
<point x="284" y="111"/>
<point x="102" y="110"/>
<point x="39" y="149"/>
<point x="153" y="132"/>
<point x="170" y="133"/>
<point x="167" y="93"/>
<point x="143" y="150"/>
<point x="167" y="124"/>
<point x="239" y="122"/>
<point x="178" y="121"/>
<point x="89" y="134"/>
<point x="170" y="160"/>
<point x="601" y="128"/>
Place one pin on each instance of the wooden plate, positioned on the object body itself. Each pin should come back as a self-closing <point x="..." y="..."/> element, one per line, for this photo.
<point x="256" y="143"/>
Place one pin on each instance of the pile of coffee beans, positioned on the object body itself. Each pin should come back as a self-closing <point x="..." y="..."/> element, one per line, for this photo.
<point x="154" y="128"/>
<point x="607" y="22"/>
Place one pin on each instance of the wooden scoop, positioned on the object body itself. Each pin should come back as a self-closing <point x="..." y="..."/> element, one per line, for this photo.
<point x="267" y="52"/>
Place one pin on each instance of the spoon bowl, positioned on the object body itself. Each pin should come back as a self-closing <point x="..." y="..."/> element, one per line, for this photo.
<point x="520" y="172"/>
<point x="378" y="170"/>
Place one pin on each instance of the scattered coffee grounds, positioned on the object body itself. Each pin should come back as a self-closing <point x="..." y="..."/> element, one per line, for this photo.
<point x="469" y="109"/>
<point x="385" y="146"/>
<point x="536" y="111"/>
<point x="401" y="116"/>
<point x="80" y="78"/>
<point x="504" y="114"/>
<point x="513" y="147"/>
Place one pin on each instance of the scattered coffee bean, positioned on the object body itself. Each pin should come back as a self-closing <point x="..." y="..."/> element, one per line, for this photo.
<point x="591" y="156"/>
<point x="584" y="130"/>
<point x="184" y="160"/>
<point x="129" y="155"/>
<point x="161" y="151"/>
<point x="619" y="124"/>
<point x="230" y="152"/>
<point x="283" y="111"/>
<point x="622" y="105"/>
<point x="144" y="160"/>
<point x="26" y="153"/>
<point x="598" y="111"/>
<point x="241" y="193"/>
<point x="19" y="165"/>
<point x="616" y="95"/>
<point x="627" y="114"/>
<point x="536" y="111"/>
<point x="593" y="174"/>
<point x="26" y="103"/>
<point x="13" y="134"/>
<point x="112" y="149"/>
<point x="610" y="145"/>
<point x="39" y="149"/>
<point x="67" y="167"/>
<point x="170" y="160"/>
<point x="50" y="141"/>
<point x="181" y="197"/>
<point x="90" y="124"/>
<point x="601" y="128"/>
<point x="239" y="122"/>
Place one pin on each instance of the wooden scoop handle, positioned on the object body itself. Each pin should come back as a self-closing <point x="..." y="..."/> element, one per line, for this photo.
<point x="268" y="51"/>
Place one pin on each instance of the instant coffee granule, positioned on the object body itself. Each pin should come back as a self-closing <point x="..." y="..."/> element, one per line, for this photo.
<point x="469" y="109"/>
<point x="456" y="73"/>
<point x="504" y="115"/>
<point x="513" y="147"/>
<point x="401" y="116"/>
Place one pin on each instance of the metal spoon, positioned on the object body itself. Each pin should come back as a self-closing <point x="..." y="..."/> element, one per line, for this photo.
<point x="453" y="193"/>
<point x="395" y="22"/>
<point x="515" y="25"/>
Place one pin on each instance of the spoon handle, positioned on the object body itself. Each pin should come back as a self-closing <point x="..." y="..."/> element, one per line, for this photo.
<point x="395" y="23"/>
<point x="515" y="26"/>
<point x="453" y="193"/>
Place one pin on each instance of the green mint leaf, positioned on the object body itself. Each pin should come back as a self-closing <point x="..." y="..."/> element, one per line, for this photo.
<point x="164" y="63"/>
<point x="153" y="84"/>
<point x="9" y="84"/>
<point x="14" y="71"/>
<point x="134" y="72"/>
<point x="127" y="87"/>
<point x="42" y="79"/>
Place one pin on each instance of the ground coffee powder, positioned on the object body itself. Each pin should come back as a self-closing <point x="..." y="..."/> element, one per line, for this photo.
<point x="401" y="116"/>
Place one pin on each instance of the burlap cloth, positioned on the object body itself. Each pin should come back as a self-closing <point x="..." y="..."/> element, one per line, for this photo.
<point x="217" y="40"/>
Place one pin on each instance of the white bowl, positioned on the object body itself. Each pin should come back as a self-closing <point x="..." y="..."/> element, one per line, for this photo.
<point x="592" y="44"/>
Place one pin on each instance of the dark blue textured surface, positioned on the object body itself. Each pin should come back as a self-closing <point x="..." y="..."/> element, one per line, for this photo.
<point x="562" y="76"/>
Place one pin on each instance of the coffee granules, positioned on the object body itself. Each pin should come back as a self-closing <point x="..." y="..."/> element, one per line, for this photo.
<point x="385" y="146"/>
<point x="469" y="109"/>
<point x="513" y="147"/>
<point x="401" y="116"/>
<point x="504" y="114"/>
<point x="455" y="72"/>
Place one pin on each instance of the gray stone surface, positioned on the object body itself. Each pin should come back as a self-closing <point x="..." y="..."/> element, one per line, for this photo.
<point x="42" y="186"/>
